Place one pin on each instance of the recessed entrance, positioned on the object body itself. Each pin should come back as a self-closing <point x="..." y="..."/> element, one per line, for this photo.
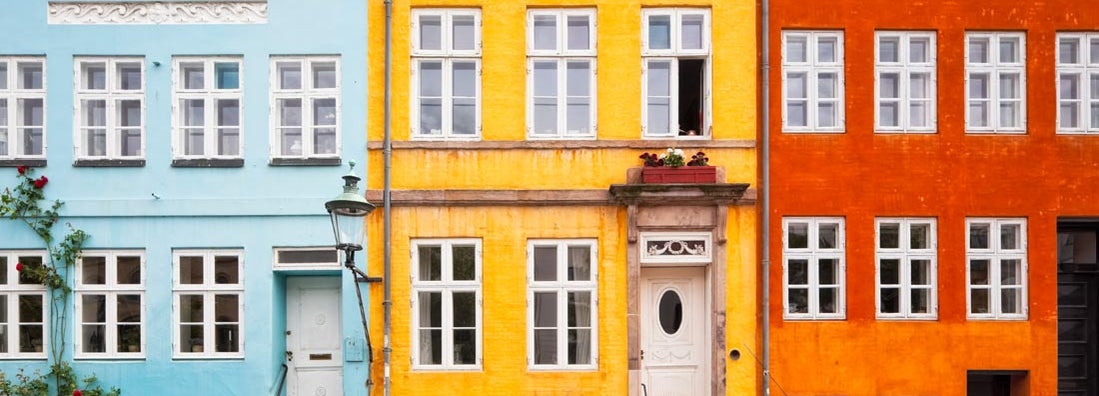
<point x="314" y="355"/>
<point x="1077" y="307"/>
<point x="674" y="331"/>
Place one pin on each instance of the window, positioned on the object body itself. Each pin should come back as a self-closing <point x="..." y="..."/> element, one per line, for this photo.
<point x="446" y="301"/>
<point x="110" y="108"/>
<point x="675" y="80"/>
<point x="22" y="307"/>
<point x="905" y="82"/>
<point x="446" y="74"/>
<point x="906" y="258"/>
<point x="307" y="258"/>
<point x="208" y="296"/>
<point x="110" y="305"/>
<point x="995" y="67"/>
<point x="812" y="81"/>
<point x="561" y="73"/>
<point x="306" y="102"/>
<point x="22" y="108"/>
<point x="561" y="304"/>
<point x="996" y="268"/>
<point x="207" y="108"/>
<point x="813" y="267"/>
<point x="1078" y="83"/>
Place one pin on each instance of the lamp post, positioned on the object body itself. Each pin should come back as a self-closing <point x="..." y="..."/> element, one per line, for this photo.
<point x="347" y="212"/>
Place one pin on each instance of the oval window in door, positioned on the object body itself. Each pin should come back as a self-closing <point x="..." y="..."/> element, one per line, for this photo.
<point x="671" y="312"/>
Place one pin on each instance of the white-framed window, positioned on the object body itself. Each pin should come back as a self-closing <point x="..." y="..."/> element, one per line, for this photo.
<point x="562" y="304"/>
<point x="305" y="99"/>
<point x="812" y="81"/>
<point x="996" y="268"/>
<point x="110" y="304"/>
<point x="995" y="82"/>
<point x="446" y="301"/>
<point x="1078" y="83"/>
<point x="110" y="108"/>
<point x="23" y="307"/>
<point x="675" y="68"/>
<point x="206" y="107"/>
<point x="813" y="251"/>
<point x="561" y="73"/>
<point x="323" y="258"/>
<point x="446" y="74"/>
<point x="905" y="82"/>
<point x="208" y="304"/>
<point x="907" y="266"/>
<point x="22" y="107"/>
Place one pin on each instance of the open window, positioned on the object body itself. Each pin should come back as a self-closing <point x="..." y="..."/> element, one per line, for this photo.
<point x="676" y="80"/>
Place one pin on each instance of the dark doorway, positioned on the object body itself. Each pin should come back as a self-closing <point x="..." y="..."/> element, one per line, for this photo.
<point x="1077" y="305"/>
<point x="996" y="383"/>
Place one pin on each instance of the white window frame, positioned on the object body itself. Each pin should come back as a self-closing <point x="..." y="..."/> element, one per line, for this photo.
<point x="209" y="94"/>
<point x="812" y="68"/>
<point x="208" y="290"/>
<point x="12" y="290"/>
<point x="1085" y="68"/>
<point x="905" y="254"/>
<point x="994" y="69"/>
<point x="12" y="94"/>
<point x="905" y="68"/>
<point x="562" y="56"/>
<point x="813" y="254"/>
<point x="447" y="286"/>
<point x="307" y="94"/>
<point x="562" y="286"/>
<point x="447" y="56"/>
<point x="110" y="289"/>
<point x="279" y="265"/>
<point x="111" y="95"/>
<point x="674" y="55"/>
<point x="994" y="254"/>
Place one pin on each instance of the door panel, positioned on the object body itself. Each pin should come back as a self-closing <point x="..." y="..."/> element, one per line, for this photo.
<point x="674" y="331"/>
<point x="313" y="341"/>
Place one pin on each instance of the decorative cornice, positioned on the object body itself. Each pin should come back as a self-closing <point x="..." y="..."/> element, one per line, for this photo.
<point x="157" y="12"/>
<point x="561" y="144"/>
<point x="618" y="194"/>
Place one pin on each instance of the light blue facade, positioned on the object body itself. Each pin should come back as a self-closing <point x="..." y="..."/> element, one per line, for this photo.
<point x="157" y="207"/>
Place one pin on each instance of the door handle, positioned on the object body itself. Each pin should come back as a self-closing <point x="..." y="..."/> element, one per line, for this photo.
<point x="289" y="356"/>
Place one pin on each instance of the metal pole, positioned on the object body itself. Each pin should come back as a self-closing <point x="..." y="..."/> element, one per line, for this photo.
<point x="387" y="153"/>
<point x="765" y="187"/>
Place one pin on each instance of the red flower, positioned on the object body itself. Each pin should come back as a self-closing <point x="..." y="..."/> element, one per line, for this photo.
<point x="40" y="182"/>
<point x="22" y="169"/>
<point x="18" y="266"/>
<point x="78" y="393"/>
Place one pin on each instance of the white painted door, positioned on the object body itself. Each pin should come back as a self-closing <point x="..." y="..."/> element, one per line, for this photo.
<point x="314" y="344"/>
<point x="674" y="332"/>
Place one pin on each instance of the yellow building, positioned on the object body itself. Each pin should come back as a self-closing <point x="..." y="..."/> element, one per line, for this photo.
<point x="527" y="255"/>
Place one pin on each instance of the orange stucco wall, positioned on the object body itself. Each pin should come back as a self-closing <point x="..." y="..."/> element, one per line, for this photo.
<point x="949" y="175"/>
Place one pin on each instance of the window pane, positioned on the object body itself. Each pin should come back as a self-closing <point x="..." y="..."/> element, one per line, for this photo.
<point x="978" y="272"/>
<point x="227" y="75"/>
<point x="798" y="271"/>
<point x="1011" y="301"/>
<point x="465" y="94"/>
<point x="464" y="33"/>
<point x="465" y="346"/>
<point x="1094" y="51"/>
<point x="190" y="270"/>
<point x="129" y="270"/>
<point x="889" y="85"/>
<point x="578" y="78"/>
<point x="324" y="75"/>
<point x="890" y="300"/>
<point x="545" y="263"/>
<point x="826" y="235"/>
<point x="579" y="314"/>
<point x="29" y="75"/>
<point x="226" y="337"/>
<point x="796" y="49"/>
<point x="129" y="308"/>
<point x="226" y="308"/>
<point x="978" y="50"/>
<point x="93" y="338"/>
<point x="1010" y="236"/>
<point x="1068" y="50"/>
<point x="919" y="50"/>
<point x="3" y="85"/>
<point x="797" y="85"/>
<point x="93" y="308"/>
<point x="797" y="235"/>
<point x="692" y="34"/>
<point x="430" y="263"/>
<point x="3" y="281"/>
<point x="94" y="76"/>
<point x="828" y="300"/>
<point x="978" y="114"/>
<point x="829" y="269"/>
<point x="1009" y="86"/>
<point x="921" y="272"/>
<point x="31" y="263"/>
<point x="95" y="112"/>
<point x="430" y="309"/>
<point x="826" y="114"/>
<point x="978" y="235"/>
<point x="921" y="301"/>
<point x="545" y="32"/>
<point x="431" y="32"/>
<point x="579" y="32"/>
<point x="191" y="338"/>
<point x="889" y="49"/>
<point x="889" y="114"/>
<point x="579" y="346"/>
<point x="191" y="308"/>
<point x="545" y="78"/>
<point x="660" y="32"/>
<point x="324" y="111"/>
<point x="129" y="338"/>
<point x="826" y="85"/>
<point x="129" y="76"/>
<point x="465" y="79"/>
<point x="129" y="113"/>
<point x="192" y="75"/>
<point x="919" y="86"/>
<point x="289" y="75"/>
<point x="226" y="270"/>
<point x="1011" y="272"/>
<point x="545" y="309"/>
<point x="1009" y="50"/>
<point x="465" y="262"/>
<point x="431" y="346"/>
<point x="94" y="270"/>
<point x="826" y="49"/>
<point x="798" y="300"/>
<point x="228" y="112"/>
<point x="464" y="309"/>
<point x="920" y="235"/>
<point x="797" y="114"/>
<point x="890" y="272"/>
<point x="579" y="265"/>
<point x="545" y="346"/>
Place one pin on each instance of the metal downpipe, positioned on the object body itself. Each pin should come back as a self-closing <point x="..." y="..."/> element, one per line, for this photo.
<point x="765" y="191"/>
<point x="387" y="154"/>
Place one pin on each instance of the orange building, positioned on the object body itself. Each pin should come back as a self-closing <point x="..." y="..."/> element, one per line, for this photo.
<point x="933" y="216"/>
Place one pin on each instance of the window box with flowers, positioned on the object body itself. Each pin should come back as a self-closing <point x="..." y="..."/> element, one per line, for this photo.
<point x="673" y="167"/>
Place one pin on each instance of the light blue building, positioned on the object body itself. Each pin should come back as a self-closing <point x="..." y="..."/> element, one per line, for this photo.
<point x="196" y="143"/>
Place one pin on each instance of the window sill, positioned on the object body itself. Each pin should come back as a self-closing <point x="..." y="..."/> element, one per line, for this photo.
<point x="306" y="162"/>
<point x="208" y="163"/>
<point x="109" y="163"/>
<point x="34" y="163"/>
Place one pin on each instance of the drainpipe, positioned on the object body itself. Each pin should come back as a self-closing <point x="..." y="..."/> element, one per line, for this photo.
<point x="387" y="154"/>
<point x="765" y="191"/>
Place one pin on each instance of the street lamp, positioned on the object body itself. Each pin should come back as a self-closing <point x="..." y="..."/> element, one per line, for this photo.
<point x="347" y="211"/>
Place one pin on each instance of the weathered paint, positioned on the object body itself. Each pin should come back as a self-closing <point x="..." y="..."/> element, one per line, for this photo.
<point x="949" y="175"/>
<point x="505" y="229"/>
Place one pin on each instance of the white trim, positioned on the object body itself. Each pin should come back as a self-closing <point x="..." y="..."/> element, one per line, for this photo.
<point x="209" y="94"/>
<point x="562" y="56"/>
<point x="812" y="254"/>
<point x="447" y="16"/>
<point x="561" y="286"/>
<point x="156" y="13"/>
<point x="208" y="289"/>
<point x="110" y="290"/>
<point x="111" y="95"/>
<point x="704" y="257"/>
<point x="446" y="286"/>
<point x="904" y="254"/>
<point x="995" y="253"/>
<point x="905" y="68"/>
<point x="812" y="68"/>
<point x="307" y="93"/>
<point x="12" y="94"/>
<point x="676" y="53"/>
<point x="994" y="68"/>
<point x="1084" y="69"/>
<point x="12" y="291"/>
<point x="312" y="266"/>
<point x="446" y="56"/>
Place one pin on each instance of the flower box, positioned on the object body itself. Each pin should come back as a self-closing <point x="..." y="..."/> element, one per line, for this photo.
<point x="679" y="174"/>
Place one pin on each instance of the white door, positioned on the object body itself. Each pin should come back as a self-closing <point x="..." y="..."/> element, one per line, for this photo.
<point x="314" y="353"/>
<point x="674" y="332"/>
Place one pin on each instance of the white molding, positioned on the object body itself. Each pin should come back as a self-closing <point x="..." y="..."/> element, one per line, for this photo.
<point x="157" y="12"/>
<point x="676" y="247"/>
